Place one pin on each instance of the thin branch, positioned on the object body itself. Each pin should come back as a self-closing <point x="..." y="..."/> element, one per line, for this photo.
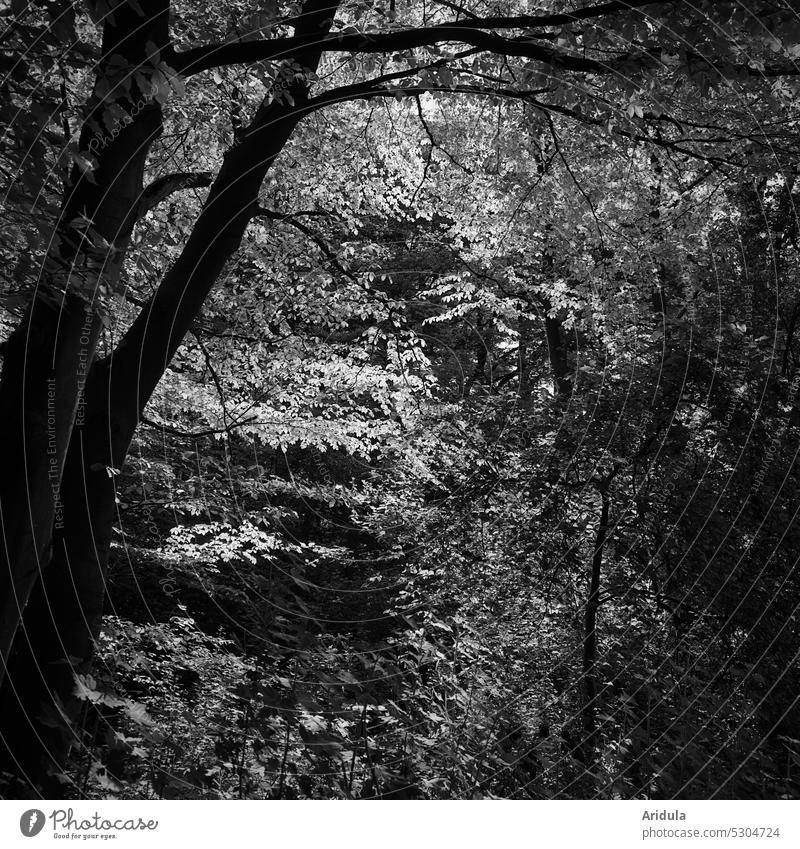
<point x="214" y="377"/>
<point x="459" y="10"/>
<point x="311" y="234"/>
<point x="559" y="151"/>
<point x="364" y="91"/>
<point x="435" y="144"/>
<point x="197" y="434"/>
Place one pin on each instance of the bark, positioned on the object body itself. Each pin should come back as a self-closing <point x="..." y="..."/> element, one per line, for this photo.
<point x="62" y="616"/>
<point x="73" y="588"/>
<point x="45" y="361"/>
<point x="50" y="355"/>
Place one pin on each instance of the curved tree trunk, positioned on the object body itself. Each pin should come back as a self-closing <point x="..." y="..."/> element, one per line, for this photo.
<point x="72" y="590"/>
<point x="49" y="358"/>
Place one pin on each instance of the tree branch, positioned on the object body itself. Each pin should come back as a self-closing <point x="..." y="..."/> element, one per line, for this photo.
<point x="197" y="59"/>
<point x="163" y="187"/>
<point x="185" y="434"/>
<point x="477" y="32"/>
<point x="366" y="91"/>
<point x="469" y="31"/>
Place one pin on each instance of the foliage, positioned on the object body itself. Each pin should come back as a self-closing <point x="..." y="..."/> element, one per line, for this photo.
<point x="355" y="530"/>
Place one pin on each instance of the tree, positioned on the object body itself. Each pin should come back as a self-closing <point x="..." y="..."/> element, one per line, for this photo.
<point x="670" y="75"/>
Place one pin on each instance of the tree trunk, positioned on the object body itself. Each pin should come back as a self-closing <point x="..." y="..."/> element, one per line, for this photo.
<point x="73" y="588"/>
<point x="63" y="615"/>
<point x="557" y="355"/>
<point x="590" y="634"/>
<point x="51" y="353"/>
<point x="46" y="359"/>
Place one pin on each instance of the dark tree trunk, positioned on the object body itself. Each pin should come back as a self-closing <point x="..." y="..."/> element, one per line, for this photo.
<point x="557" y="355"/>
<point x="73" y="588"/>
<point x="590" y="634"/>
<point x="63" y="615"/>
<point x="47" y="363"/>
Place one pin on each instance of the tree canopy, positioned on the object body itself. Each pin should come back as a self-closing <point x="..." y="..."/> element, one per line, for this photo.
<point x="399" y="399"/>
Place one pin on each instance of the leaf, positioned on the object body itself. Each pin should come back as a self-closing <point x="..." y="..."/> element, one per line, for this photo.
<point x="138" y="713"/>
<point x="320" y="741"/>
